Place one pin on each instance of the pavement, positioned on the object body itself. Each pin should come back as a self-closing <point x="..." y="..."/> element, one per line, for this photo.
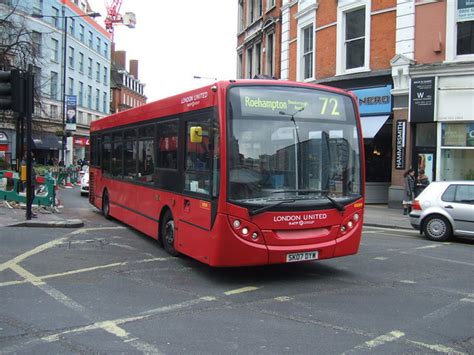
<point x="13" y="215"/>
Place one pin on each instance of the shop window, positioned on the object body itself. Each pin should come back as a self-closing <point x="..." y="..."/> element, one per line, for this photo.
<point x="456" y="164"/>
<point x="378" y="155"/>
<point x="425" y="135"/>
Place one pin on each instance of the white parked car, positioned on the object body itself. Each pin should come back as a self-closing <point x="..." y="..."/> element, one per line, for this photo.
<point x="444" y="209"/>
<point x="84" y="180"/>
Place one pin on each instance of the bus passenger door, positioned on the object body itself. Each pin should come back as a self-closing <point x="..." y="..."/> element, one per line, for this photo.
<point x="194" y="237"/>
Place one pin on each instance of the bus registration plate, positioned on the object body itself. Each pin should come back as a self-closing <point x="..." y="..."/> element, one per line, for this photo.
<point x="309" y="255"/>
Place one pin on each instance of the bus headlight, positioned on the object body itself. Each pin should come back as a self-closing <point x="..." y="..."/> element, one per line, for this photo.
<point x="236" y="224"/>
<point x="245" y="231"/>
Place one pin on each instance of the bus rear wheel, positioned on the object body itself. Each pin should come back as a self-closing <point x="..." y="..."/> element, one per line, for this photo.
<point x="167" y="234"/>
<point x="106" y="206"/>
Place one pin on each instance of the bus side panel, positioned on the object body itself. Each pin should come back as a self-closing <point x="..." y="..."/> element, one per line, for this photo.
<point x="147" y="207"/>
<point x="122" y="201"/>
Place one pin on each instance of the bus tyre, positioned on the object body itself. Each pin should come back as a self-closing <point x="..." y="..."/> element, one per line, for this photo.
<point x="437" y="228"/>
<point x="106" y="206"/>
<point x="168" y="233"/>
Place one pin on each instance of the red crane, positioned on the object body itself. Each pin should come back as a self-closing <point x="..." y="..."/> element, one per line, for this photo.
<point x="114" y="17"/>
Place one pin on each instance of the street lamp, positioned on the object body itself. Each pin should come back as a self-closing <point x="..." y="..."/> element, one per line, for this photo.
<point x="63" y="111"/>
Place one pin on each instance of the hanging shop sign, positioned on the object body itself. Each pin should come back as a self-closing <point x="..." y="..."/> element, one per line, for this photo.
<point x="374" y="100"/>
<point x="400" y="144"/>
<point x="422" y="99"/>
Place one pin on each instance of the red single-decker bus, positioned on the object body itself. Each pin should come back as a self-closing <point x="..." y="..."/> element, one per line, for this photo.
<point x="241" y="172"/>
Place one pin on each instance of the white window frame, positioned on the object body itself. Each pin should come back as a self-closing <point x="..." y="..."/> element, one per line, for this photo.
<point x="306" y="20"/>
<point x="270" y="55"/>
<point x="451" y="35"/>
<point x="344" y="7"/>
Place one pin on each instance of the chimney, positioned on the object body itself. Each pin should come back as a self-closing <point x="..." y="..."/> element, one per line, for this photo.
<point x="120" y="57"/>
<point x="134" y="68"/>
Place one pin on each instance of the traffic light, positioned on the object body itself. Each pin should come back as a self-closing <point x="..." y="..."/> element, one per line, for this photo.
<point x="12" y="89"/>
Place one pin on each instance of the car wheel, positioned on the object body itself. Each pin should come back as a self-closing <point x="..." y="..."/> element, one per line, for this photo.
<point x="167" y="234"/>
<point x="437" y="228"/>
<point x="106" y="206"/>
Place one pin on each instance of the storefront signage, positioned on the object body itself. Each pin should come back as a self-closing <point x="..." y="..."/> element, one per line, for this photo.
<point x="400" y="145"/>
<point x="465" y="10"/>
<point x="81" y="141"/>
<point x="422" y="99"/>
<point x="374" y="100"/>
<point x="71" y="109"/>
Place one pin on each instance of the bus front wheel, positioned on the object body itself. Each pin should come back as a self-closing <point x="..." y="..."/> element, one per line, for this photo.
<point x="168" y="233"/>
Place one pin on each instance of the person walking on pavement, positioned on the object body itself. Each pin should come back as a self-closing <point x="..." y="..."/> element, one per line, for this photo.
<point x="409" y="190"/>
<point x="421" y="182"/>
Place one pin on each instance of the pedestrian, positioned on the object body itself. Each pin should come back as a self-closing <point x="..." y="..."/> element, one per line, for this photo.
<point x="421" y="181"/>
<point x="409" y="193"/>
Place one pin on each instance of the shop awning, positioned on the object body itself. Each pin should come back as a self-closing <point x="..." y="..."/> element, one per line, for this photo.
<point x="372" y="124"/>
<point x="46" y="141"/>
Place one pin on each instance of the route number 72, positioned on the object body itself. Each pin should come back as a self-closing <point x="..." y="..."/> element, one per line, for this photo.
<point x="327" y="104"/>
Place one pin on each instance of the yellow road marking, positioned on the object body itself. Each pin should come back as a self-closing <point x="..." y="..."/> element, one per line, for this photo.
<point x="241" y="290"/>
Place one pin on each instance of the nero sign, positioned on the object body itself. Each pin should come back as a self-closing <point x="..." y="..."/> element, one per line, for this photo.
<point x="400" y="145"/>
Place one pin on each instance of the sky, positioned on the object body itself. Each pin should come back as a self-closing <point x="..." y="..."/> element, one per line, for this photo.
<point x="177" y="40"/>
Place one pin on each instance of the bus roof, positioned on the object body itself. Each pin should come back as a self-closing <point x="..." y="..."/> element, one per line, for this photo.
<point x="192" y="100"/>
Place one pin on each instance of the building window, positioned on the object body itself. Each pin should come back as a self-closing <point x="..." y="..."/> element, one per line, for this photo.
<point x="465" y="38"/>
<point x="54" y="111"/>
<point x="355" y="38"/>
<point x="106" y="50"/>
<point x="307" y="52"/>
<point x="98" y="44"/>
<point x="97" y="72"/>
<point x="89" y="68"/>
<point x="240" y="66"/>
<point x="104" y="101"/>
<point x="89" y="96"/>
<point x="54" y="85"/>
<point x="254" y="10"/>
<point x="91" y="39"/>
<point x="38" y="7"/>
<point x="249" y="66"/>
<point x="81" y="33"/>
<point x="105" y="75"/>
<point x="71" y="57"/>
<point x="80" y="94"/>
<point x="36" y="38"/>
<point x="70" y="86"/>
<point x="81" y="62"/>
<point x="270" y="70"/>
<point x="55" y="50"/>
<point x="72" y="25"/>
<point x="270" y="4"/>
<point x="97" y="99"/>
<point x="55" y="17"/>
<point x="241" y="16"/>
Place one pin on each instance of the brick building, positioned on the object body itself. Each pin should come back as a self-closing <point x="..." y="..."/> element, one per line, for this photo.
<point x="126" y="89"/>
<point x="386" y="52"/>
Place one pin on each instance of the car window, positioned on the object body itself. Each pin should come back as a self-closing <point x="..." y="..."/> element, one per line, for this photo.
<point x="448" y="195"/>
<point x="465" y="194"/>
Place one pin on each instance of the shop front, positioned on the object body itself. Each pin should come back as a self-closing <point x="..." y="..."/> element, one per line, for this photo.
<point x="45" y="147"/>
<point x="456" y="127"/>
<point x="81" y="148"/>
<point x="375" y="106"/>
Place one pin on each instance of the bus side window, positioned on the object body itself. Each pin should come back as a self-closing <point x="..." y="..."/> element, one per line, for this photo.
<point x="198" y="159"/>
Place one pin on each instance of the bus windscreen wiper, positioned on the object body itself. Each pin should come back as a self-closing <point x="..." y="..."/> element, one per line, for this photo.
<point x="269" y="207"/>
<point x="339" y="206"/>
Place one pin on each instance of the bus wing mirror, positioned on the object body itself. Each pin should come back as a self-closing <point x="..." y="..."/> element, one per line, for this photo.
<point x="195" y="134"/>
